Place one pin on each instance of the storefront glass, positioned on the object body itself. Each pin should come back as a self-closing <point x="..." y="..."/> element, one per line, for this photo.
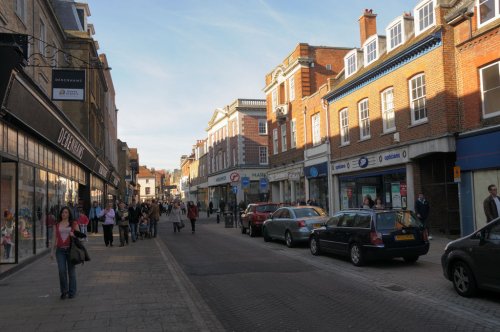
<point x="41" y="208"/>
<point x="54" y="206"/>
<point x="8" y="204"/>
<point x="318" y="192"/>
<point x="97" y="190"/>
<point x="300" y="192"/>
<point x="25" y="216"/>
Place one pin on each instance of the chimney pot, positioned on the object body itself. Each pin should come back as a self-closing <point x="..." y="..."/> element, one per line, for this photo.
<point x="367" y="25"/>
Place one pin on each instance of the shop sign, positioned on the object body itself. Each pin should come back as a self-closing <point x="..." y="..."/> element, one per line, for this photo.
<point x="456" y="174"/>
<point x="70" y="143"/>
<point x="102" y="170"/>
<point x="68" y="84"/>
<point x="384" y="158"/>
<point x="315" y="171"/>
<point x="294" y="176"/>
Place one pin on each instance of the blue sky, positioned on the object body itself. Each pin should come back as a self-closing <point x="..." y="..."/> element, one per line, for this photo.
<point x="175" y="61"/>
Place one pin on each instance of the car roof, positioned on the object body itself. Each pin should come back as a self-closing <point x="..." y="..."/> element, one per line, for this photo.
<point x="375" y="210"/>
<point x="264" y="203"/>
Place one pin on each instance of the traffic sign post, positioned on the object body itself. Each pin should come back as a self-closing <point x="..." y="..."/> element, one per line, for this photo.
<point x="245" y="182"/>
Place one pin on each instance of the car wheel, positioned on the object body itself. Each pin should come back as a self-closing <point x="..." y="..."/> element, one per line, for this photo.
<point x="356" y="255"/>
<point x="251" y="230"/>
<point x="463" y="279"/>
<point x="289" y="240"/>
<point x="266" y="236"/>
<point x="314" y="246"/>
<point x="410" y="259"/>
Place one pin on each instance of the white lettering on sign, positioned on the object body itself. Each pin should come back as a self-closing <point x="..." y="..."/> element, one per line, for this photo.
<point x="70" y="143"/>
<point x="103" y="170"/>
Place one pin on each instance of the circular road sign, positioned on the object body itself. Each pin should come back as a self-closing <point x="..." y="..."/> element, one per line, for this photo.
<point x="235" y="177"/>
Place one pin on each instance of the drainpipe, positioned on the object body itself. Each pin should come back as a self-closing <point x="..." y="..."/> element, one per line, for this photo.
<point x="326" y="107"/>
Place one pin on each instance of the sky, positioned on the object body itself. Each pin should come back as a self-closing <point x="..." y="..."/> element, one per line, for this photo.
<point x="175" y="61"/>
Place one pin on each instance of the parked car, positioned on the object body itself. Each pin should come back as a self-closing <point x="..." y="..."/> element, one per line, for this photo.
<point x="473" y="262"/>
<point x="366" y="234"/>
<point x="255" y="215"/>
<point x="293" y="224"/>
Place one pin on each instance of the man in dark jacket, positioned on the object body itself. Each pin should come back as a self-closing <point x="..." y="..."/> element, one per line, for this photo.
<point x="422" y="210"/>
<point x="134" y="213"/>
<point x="491" y="204"/>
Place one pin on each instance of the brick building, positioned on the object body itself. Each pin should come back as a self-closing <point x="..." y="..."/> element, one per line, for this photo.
<point x="238" y="152"/>
<point x="199" y="174"/>
<point x="476" y="28"/>
<point x="298" y="137"/>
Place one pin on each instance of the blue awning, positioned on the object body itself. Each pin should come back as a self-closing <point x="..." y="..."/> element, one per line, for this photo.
<point x="479" y="151"/>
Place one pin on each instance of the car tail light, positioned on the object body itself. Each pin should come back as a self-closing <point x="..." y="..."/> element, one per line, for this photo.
<point x="301" y="223"/>
<point x="425" y="235"/>
<point x="376" y="238"/>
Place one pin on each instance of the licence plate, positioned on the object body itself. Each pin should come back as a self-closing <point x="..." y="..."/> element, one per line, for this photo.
<point x="405" y="237"/>
<point x="316" y="225"/>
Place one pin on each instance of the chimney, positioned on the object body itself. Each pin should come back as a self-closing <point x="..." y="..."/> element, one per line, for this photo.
<point x="367" y="25"/>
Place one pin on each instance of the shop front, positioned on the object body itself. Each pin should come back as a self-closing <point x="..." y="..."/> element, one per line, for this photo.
<point x="317" y="179"/>
<point x="287" y="186"/>
<point x="382" y="175"/>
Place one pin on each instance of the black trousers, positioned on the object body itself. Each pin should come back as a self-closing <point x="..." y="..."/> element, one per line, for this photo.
<point x="108" y="234"/>
<point x="94" y="225"/>
<point x="193" y="223"/>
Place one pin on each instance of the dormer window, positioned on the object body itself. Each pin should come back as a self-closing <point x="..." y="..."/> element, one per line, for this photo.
<point x="488" y="11"/>
<point x="351" y="62"/>
<point x="395" y="34"/>
<point x="424" y="16"/>
<point x="371" y="50"/>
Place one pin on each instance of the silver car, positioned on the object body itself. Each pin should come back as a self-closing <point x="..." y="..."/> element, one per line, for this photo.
<point x="293" y="224"/>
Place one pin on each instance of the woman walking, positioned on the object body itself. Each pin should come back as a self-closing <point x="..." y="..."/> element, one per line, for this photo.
<point x="192" y="214"/>
<point x="64" y="230"/>
<point x="122" y="220"/>
<point x="109" y="221"/>
<point x="176" y="217"/>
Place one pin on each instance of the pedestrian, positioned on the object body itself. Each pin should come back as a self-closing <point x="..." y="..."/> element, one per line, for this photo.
<point x="422" y="210"/>
<point x="154" y="216"/>
<point x="210" y="209"/>
<point x="83" y="221"/>
<point x="122" y="222"/>
<point x="378" y="204"/>
<point x="109" y="221"/>
<point x="134" y="214"/>
<point x="491" y="204"/>
<point x="222" y="206"/>
<point x="61" y="242"/>
<point x="176" y="217"/>
<point x="94" y="213"/>
<point x="183" y="207"/>
<point x="192" y="214"/>
<point x="366" y="203"/>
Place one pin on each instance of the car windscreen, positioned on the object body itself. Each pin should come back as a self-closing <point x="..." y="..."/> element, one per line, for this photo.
<point x="393" y="220"/>
<point x="307" y="212"/>
<point x="266" y="208"/>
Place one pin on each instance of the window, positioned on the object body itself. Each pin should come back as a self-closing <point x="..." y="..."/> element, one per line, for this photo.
<point x="147" y="180"/>
<point x="275" y="141"/>
<point x="344" y="127"/>
<point x="262" y="126"/>
<point x="387" y="98"/>
<point x="328" y="67"/>
<point x="148" y="190"/>
<point x="424" y="16"/>
<point x="274" y="99"/>
<point x="21" y="9"/>
<point x="315" y="129"/>
<point x="350" y="63"/>
<point x="263" y="155"/>
<point x="43" y="37"/>
<point x="364" y="119"/>
<point x="291" y="83"/>
<point x="371" y="50"/>
<point x="283" y="137"/>
<point x="395" y="33"/>
<point x="293" y="134"/>
<point x="490" y="89"/>
<point x="488" y="10"/>
<point x="417" y="99"/>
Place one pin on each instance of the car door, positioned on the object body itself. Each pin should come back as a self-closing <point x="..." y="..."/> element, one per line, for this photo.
<point x="284" y="223"/>
<point x="271" y="225"/>
<point x="342" y="233"/>
<point x="326" y="234"/>
<point x="487" y="256"/>
<point x="246" y="216"/>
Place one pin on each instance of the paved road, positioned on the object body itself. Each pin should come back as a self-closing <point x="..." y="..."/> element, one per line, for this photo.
<point x="251" y="285"/>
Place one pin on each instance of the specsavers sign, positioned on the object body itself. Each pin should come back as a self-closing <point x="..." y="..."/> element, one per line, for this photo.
<point x="384" y="158"/>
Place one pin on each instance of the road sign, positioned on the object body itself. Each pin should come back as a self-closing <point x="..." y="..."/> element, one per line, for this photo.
<point x="263" y="183"/>
<point x="245" y="182"/>
<point x="235" y="177"/>
<point x="235" y="190"/>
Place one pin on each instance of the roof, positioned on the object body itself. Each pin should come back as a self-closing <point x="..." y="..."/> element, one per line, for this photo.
<point x="144" y="172"/>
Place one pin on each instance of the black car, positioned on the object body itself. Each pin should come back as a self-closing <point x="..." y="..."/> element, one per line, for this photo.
<point x="473" y="262"/>
<point x="365" y="234"/>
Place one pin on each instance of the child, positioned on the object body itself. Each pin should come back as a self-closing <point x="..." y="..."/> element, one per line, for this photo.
<point x="83" y="222"/>
<point x="144" y="225"/>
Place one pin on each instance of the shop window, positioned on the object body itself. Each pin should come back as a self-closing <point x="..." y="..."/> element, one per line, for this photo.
<point x="388" y="116"/>
<point x="25" y="216"/>
<point x="8" y="204"/>
<point x="41" y="209"/>
<point x="488" y="10"/>
<point x="21" y="146"/>
<point x="364" y="119"/>
<point x="12" y="142"/>
<point x="417" y="99"/>
<point x="490" y="89"/>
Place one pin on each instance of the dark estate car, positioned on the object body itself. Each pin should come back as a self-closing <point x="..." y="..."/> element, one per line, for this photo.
<point x="364" y="234"/>
<point x="293" y="224"/>
<point x="473" y="262"/>
<point x="255" y="215"/>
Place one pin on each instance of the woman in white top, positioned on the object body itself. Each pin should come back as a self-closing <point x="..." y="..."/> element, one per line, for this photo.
<point x="176" y="217"/>
<point x="109" y="222"/>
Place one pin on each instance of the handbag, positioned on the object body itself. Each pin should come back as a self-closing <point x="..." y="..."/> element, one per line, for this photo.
<point x="77" y="252"/>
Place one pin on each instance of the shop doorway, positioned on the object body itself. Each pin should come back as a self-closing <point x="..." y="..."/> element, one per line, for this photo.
<point x="8" y="247"/>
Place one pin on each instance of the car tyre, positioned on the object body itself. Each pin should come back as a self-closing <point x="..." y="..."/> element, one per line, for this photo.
<point x="410" y="259"/>
<point x="266" y="236"/>
<point x="356" y="255"/>
<point x="463" y="279"/>
<point x="251" y="230"/>
<point x="314" y="246"/>
<point x="289" y="239"/>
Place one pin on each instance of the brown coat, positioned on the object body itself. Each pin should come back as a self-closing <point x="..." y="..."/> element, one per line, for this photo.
<point x="154" y="212"/>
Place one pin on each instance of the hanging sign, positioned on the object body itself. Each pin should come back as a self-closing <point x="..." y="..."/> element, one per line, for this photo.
<point x="68" y="84"/>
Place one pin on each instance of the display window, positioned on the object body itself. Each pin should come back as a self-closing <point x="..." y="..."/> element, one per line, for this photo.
<point x="8" y="225"/>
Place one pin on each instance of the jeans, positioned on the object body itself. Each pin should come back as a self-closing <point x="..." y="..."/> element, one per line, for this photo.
<point x="95" y="225"/>
<point x="108" y="234"/>
<point x="133" y="231"/>
<point x="66" y="269"/>
<point x="153" y="227"/>
<point x="123" y="234"/>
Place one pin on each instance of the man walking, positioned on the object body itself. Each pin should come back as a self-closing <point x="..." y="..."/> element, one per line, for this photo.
<point x="422" y="209"/>
<point x="491" y="204"/>
<point x="134" y="214"/>
<point x="154" y="216"/>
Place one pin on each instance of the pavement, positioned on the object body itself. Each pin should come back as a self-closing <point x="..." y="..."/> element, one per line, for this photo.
<point x="139" y="287"/>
